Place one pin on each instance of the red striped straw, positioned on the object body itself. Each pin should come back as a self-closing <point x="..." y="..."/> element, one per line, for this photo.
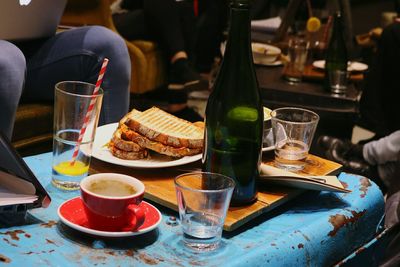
<point x="89" y="111"/>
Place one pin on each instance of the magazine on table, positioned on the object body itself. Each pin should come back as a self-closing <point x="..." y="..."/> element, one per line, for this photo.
<point x="273" y="175"/>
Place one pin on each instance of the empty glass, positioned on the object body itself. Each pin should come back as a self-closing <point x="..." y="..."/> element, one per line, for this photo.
<point x="297" y="52"/>
<point x="203" y="201"/>
<point x="338" y="81"/>
<point x="293" y="130"/>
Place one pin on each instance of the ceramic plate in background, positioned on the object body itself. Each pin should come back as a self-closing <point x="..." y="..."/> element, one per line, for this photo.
<point x="352" y="66"/>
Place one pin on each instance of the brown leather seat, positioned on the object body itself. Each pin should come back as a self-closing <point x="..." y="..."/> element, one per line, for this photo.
<point x="148" y="66"/>
<point x="33" y="128"/>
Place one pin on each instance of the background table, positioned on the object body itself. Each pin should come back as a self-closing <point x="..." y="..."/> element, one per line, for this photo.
<point x="315" y="229"/>
<point x="338" y="113"/>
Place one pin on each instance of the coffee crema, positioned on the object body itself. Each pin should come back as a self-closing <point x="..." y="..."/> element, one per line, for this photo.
<point x="111" y="188"/>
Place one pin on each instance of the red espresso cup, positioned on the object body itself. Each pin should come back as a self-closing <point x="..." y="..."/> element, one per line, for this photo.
<point x="111" y="201"/>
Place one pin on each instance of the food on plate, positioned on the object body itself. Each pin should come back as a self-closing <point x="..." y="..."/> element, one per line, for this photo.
<point x="267" y="113"/>
<point x="158" y="131"/>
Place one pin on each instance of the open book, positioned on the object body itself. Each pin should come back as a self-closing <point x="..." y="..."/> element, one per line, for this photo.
<point x="14" y="190"/>
<point x="18" y="185"/>
<point x="270" y="174"/>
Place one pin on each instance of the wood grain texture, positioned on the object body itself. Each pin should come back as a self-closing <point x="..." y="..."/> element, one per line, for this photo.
<point x="160" y="187"/>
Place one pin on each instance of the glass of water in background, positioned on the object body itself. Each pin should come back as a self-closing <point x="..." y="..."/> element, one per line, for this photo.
<point x="71" y="158"/>
<point x="293" y="130"/>
<point x="297" y="53"/>
<point x="203" y="201"/>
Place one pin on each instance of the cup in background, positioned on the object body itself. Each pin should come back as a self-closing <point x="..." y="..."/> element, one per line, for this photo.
<point x="338" y="81"/>
<point x="203" y="201"/>
<point x="293" y="130"/>
<point x="297" y="53"/>
<point x="111" y="200"/>
<point x="71" y="102"/>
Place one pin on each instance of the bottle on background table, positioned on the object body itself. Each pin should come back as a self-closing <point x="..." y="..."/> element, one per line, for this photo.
<point x="336" y="55"/>
<point x="234" y="114"/>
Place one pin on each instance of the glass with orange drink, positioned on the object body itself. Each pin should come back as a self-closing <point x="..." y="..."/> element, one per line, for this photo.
<point x="74" y="103"/>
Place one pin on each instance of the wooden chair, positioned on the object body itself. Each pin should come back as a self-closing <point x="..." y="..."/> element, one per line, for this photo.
<point x="148" y="66"/>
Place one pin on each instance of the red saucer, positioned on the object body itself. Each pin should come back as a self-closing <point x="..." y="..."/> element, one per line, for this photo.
<point x="72" y="214"/>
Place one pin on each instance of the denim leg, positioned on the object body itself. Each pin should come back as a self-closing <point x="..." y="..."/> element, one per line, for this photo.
<point x="12" y="73"/>
<point x="78" y="55"/>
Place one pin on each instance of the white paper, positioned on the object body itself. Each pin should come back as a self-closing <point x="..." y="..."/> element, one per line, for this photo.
<point x="273" y="171"/>
<point x="266" y="25"/>
<point x="14" y="190"/>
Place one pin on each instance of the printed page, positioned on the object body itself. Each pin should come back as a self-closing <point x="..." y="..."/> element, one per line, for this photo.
<point x="321" y="183"/>
<point x="14" y="190"/>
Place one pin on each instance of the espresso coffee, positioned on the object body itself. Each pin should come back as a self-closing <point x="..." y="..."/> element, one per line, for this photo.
<point x="111" y="188"/>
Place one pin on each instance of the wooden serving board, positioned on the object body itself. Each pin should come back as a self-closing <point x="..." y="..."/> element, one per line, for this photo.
<point x="160" y="187"/>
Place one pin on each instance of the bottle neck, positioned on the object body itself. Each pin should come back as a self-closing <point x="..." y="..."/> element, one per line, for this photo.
<point x="239" y="29"/>
<point x="337" y="32"/>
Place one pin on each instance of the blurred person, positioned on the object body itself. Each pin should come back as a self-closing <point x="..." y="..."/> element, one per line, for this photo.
<point x="378" y="160"/>
<point x="174" y="25"/>
<point x="379" y="100"/>
<point x="30" y="69"/>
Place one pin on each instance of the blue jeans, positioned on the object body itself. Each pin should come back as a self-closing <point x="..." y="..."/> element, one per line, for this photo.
<point x="70" y="55"/>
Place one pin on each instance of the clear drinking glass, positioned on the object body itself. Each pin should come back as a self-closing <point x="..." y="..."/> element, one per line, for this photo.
<point x="297" y="52"/>
<point x="293" y="130"/>
<point x="338" y="81"/>
<point x="203" y="201"/>
<point x="71" y="103"/>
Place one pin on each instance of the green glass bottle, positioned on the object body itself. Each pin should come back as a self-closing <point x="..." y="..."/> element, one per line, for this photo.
<point x="234" y="117"/>
<point x="336" y="54"/>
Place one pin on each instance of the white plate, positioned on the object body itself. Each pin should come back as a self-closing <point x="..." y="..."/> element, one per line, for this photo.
<point x="269" y="148"/>
<point x="275" y="63"/>
<point x="101" y="152"/>
<point x="268" y="140"/>
<point x="267" y="58"/>
<point x="352" y="66"/>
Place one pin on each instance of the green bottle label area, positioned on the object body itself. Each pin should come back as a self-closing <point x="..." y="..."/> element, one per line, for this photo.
<point x="233" y="149"/>
<point x="243" y="114"/>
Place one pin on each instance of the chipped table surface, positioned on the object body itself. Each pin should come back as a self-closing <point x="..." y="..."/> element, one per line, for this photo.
<point x="314" y="229"/>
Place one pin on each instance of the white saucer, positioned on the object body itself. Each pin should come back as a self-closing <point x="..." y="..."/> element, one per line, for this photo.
<point x="272" y="64"/>
<point x="352" y="66"/>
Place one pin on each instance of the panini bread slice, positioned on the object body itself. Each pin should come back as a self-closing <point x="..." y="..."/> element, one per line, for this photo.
<point x="128" y="155"/>
<point x="158" y="147"/>
<point x="124" y="144"/>
<point x="160" y="126"/>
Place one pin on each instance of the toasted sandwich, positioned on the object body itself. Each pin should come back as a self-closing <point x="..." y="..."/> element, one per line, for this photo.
<point x="160" y="126"/>
<point x="158" y="131"/>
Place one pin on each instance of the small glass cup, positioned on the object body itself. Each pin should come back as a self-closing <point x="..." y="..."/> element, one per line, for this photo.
<point x="71" y="103"/>
<point x="338" y="81"/>
<point x="298" y="53"/>
<point x="293" y="130"/>
<point x="203" y="201"/>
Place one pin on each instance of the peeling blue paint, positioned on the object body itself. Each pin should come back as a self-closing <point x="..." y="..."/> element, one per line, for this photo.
<point x="299" y="235"/>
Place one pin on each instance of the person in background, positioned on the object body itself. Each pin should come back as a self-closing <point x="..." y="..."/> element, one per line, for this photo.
<point x="30" y="70"/>
<point x="379" y="100"/>
<point x="173" y="25"/>
<point x="379" y="111"/>
<point x="378" y="160"/>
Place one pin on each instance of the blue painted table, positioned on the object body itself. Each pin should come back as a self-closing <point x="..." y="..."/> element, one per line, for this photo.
<point x="315" y="229"/>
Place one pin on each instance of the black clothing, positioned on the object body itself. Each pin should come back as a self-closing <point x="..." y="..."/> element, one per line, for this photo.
<point x="175" y="27"/>
<point x="380" y="99"/>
